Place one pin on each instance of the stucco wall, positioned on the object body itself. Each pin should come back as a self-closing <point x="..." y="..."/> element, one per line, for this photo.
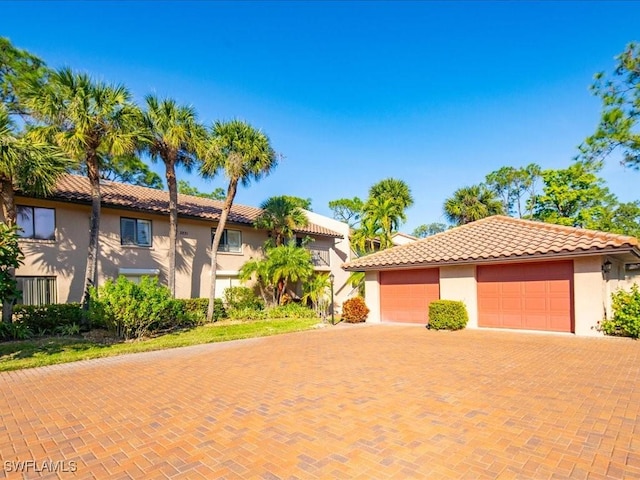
<point x="459" y="283"/>
<point x="340" y="253"/>
<point x="66" y="256"/>
<point x="589" y="294"/>
<point x="372" y="296"/>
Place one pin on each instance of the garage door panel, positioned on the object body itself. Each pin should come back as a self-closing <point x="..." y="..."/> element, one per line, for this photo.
<point x="405" y="294"/>
<point x="534" y="296"/>
<point x="511" y="303"/>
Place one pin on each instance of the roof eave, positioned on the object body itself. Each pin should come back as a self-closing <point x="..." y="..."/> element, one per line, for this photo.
<point x="503" y="259"/>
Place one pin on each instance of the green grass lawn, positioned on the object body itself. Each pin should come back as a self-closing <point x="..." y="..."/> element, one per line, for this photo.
<point x="54" y="350"/>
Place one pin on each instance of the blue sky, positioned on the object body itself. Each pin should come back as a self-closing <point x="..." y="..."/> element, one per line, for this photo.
<point x="436" y="93"/>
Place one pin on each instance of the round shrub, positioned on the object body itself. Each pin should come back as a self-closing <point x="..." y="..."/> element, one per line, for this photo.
<point x="131" y="310"/>
<point x="354" y="310"/>
<point x="242" y="298"/>
<point x="626" y="314"/>
<point x="447" y="315"/>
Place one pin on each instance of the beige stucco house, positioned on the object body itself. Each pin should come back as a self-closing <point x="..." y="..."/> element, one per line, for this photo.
<point x="134" y="241"/>
<point x="510" y="273"/>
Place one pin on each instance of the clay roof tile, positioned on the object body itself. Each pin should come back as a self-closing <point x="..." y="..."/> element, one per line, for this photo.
<point x="496" y="237"/>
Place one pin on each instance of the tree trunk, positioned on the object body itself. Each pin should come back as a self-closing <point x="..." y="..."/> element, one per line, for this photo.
<point x="231" y="193"/>
<point x="90" y="278"/>
<point x="173" y="225"/>
<point x="9" y="217"/>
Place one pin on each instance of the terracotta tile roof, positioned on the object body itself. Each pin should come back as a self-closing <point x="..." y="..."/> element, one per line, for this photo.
<point x="76" y="188"/>
<point x="495" y="238"/>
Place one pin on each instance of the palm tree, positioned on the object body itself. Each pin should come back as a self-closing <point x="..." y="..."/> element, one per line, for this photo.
<point x="244" y="154"/>
<point x="87" y="120"/>
<point x="281" y="216"/>
<point x="173" y="136"/>
<point x="288" y="263"/>
<point x="469" y="204"/>
<point x="260" y="268"/>
<point x="316" y="290"/>
<point x="385" y="214"/>
<point x="28" y="165"/>
<point x="395" y="189"/>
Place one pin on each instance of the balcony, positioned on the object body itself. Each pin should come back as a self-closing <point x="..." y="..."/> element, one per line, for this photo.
<point x="319" y="256"/>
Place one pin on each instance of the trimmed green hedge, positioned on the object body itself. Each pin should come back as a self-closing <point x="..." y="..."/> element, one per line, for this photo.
<point x="447" y="315"/>
<point x="194" y="310"/>
<point x="47" y="318"/>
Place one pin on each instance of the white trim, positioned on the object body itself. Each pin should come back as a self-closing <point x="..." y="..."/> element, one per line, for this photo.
<point x="227" y="273"/>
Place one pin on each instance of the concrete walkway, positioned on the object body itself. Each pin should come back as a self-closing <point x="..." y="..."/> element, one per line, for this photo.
<point x="364" y="402"/>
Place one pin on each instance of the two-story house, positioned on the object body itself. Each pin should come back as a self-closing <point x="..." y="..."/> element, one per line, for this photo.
<point x="134" y="241"/>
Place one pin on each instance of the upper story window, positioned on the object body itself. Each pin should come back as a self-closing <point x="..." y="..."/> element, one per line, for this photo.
<point x="134" y="231"/>
<point x="36" y="222"/>
<point x="231" y="241"/>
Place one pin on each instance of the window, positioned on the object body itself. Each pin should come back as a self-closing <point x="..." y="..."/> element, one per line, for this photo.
<point x="135" y="232"/>
<point x="36" y="222"/>
<point x="231" y="241"/>
<point x="37" y="290"/>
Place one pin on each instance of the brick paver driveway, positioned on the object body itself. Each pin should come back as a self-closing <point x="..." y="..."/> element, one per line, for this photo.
<point x="347" y="402"/>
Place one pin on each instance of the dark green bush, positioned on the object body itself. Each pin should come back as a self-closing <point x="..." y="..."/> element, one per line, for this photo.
<point x="44" y="319"/>
<point x="626" y="314"/>
<point x="447" y="315"/>
<point x="131" y="310"/>
<point x="193" y="311"/>
<point x="355" y="310"/>
<point x="15" y="331"/>
<point x="242" y="298"/>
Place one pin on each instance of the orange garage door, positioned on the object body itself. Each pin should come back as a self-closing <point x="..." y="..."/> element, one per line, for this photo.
<point x="405" y="294"/>
<point x="534" y="296"/>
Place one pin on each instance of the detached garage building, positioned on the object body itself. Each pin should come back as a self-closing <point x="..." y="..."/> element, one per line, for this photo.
<point x="510" y="273"/>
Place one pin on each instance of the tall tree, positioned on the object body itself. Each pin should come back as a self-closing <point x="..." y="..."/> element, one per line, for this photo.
<point x="574" y="196"/>
<point x="394" y="189"/>
<point x="174" y="136"/>
<point x="244" y="154"/>
<point x="516" y="187"/>
<point x="88" y="120"/>
<point x="16" y="68"/>
<point x="129" y="169"/>
<point x="347" y="210"/>
<point x="469" y="204"/>
<point x="426" y="230"/>
<point x="385" y="209"/>
<point x="28" y="165"/>
<point x="281" y="216"/>
<point x="383" y="215"/>
<point x="620" y="95"/>
<point x="187" y="189"/>
<point x="304" y="203"/>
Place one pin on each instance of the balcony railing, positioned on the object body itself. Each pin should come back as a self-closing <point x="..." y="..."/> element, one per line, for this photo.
<point x="319" y="256"/>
